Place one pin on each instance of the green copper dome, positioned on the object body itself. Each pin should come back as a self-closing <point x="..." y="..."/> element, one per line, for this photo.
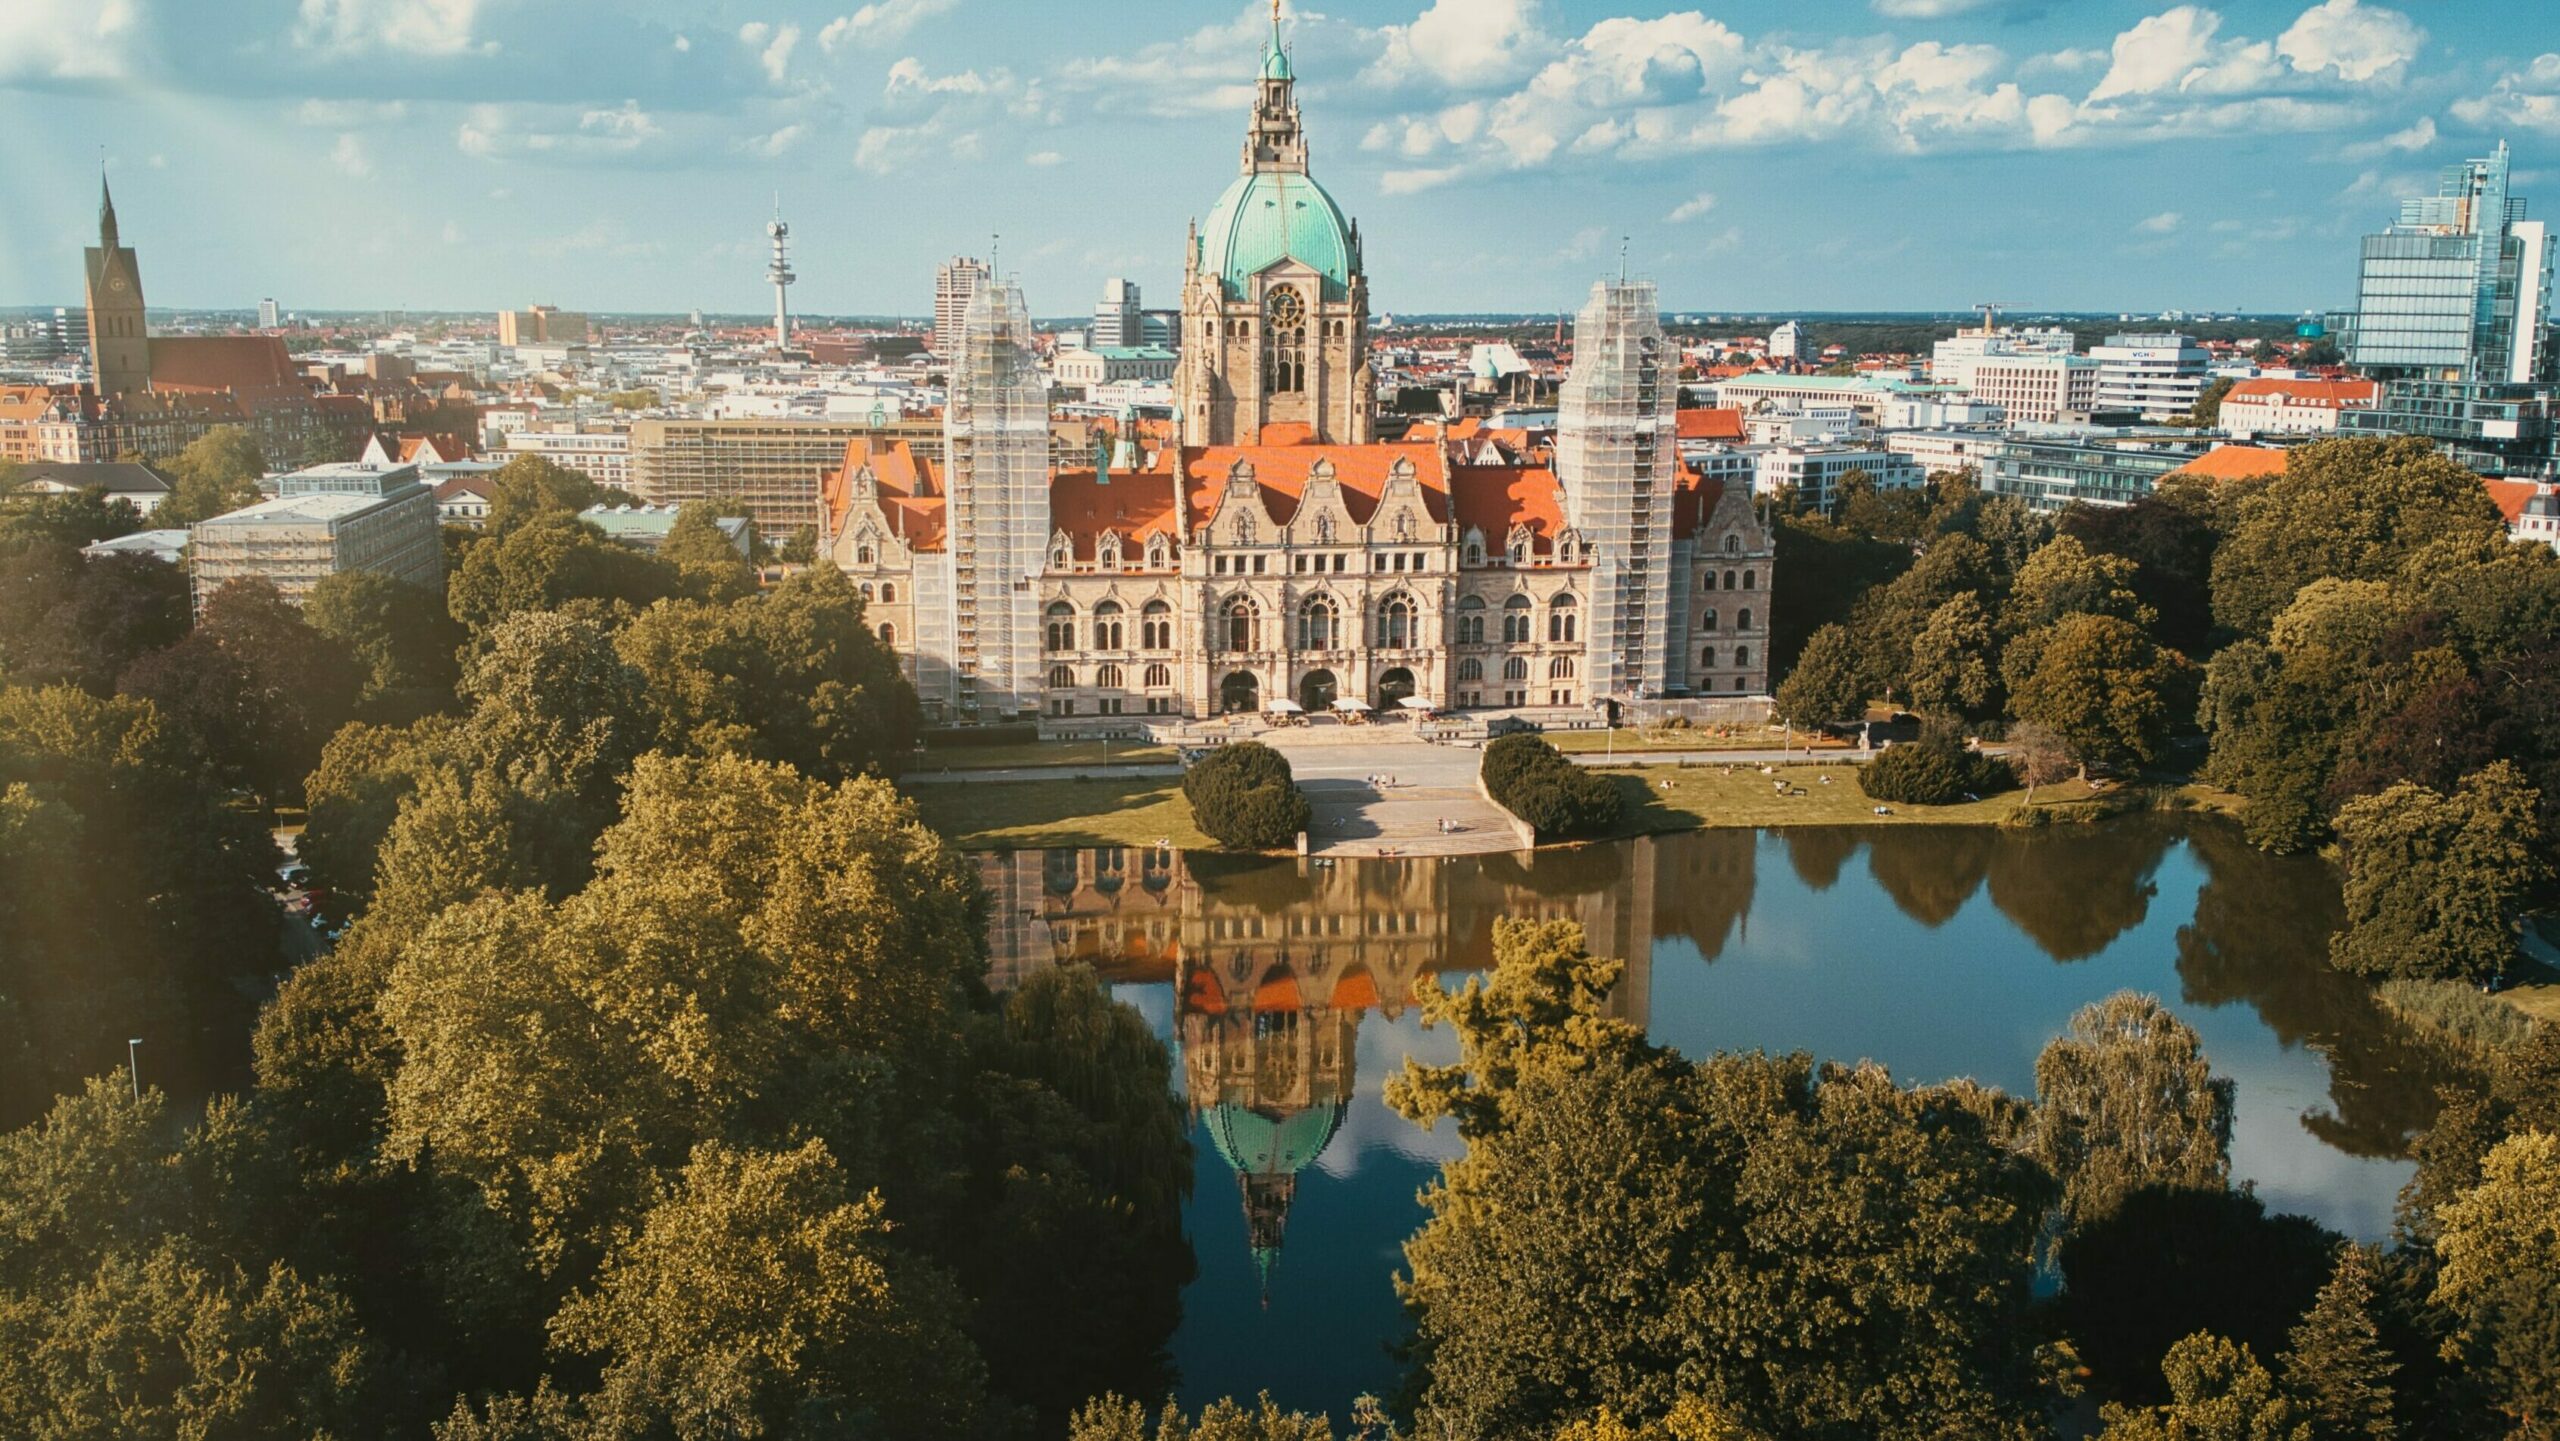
<point x="1271" y="216"/>
<point x="1275" y="62"/>
<point x="1258" y="1144"/>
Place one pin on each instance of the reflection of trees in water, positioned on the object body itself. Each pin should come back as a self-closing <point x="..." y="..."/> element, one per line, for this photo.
<point x="1930" y="873"/>
<point x="1818" y="852"/>
<point x="1702" y="884"/>
<point x="2075" y="888"/>
<point x="1259" y="883"/>
<point x="2261" y="935"/>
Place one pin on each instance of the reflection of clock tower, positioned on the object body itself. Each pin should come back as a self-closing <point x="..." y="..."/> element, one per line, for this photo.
<point x="119" y="344"/>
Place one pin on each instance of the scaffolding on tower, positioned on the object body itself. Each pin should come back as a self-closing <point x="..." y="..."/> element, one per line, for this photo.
<point x="996" y="438"/>
<point x="1616" y="465"/>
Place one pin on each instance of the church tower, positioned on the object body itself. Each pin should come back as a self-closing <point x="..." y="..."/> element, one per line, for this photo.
<point x="119" y="343"/>
<point x="1275" y="301"/>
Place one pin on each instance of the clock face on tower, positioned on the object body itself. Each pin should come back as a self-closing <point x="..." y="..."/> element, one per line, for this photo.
<point x="116" y="284"/>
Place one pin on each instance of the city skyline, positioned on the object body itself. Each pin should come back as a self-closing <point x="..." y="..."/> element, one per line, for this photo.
<point x="1901" y="155"/>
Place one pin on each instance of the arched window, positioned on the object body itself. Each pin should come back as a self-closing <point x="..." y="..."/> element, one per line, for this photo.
<point x="888" y="634"/>
<point x="1319" y="624"/>
<point x="1062" y="556"/>
<point x="1155" y="626"/>
<point x="1471" y="620"/>
<point x="1515" y="618"/>
<point x="1708" y="621"/>
<point x="1749" y="579"/>
<point x="1706" y="580"/>
<point x="1107" y="550"/>
<point x="1475" y="549"/>
<point x="1742" y="655"/>
<point x="1396" y="628"/>
<point x="1107" y="634"/>
<point x="1284" y="341"/>
<point x="1159" y="677"/>
<point x="1707" y="657"/>
<point x="1062" y="677"/>
<point x="1742" y="621"/>
<point x="1562" y="618"/>
<point x="1728" y="580"/>
<point x="1244" y="624"/>
<point x="1062" y="626"/>
<point x="1516" y="668"/>
<point x="1158" y="553"/>
<point x="863" y="554"/>
<point x="1470" y="669"/>
<point x="1561" y="668"/>
<point x="1733" y="545"/>
<point x="888" y="592"/>
<point x="1108" y="677"/>
<point x="866" y="593"/>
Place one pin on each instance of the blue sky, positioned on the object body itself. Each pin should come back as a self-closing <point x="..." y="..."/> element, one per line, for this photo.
<point x="1761" y="154"/>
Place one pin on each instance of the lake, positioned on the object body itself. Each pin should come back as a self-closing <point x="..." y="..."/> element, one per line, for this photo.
<point x="1285" y="989"/>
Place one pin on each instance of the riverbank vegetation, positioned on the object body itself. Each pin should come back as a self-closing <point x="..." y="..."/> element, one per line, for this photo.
<point x="1640" y="1243"/>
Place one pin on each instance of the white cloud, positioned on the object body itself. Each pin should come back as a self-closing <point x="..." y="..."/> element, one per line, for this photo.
<point x="1463" y="44"/>
<point x="777" y="143"/>
<point x="2164" y="223"/>
<point x="349" y="114"/>
<point x="416" y="27"/>
<point x="1408" y="182"/>
<point x="2417" y="137"/>
<point x="350" y="156"/>
<point x="1925" y="9"/>
<point x="1044" y="158"/>
<point x="510" y="132"/>
<point x="773" y="45"/>
<point x="880" y="23"/>
<point x="2179" y="51"/>
<point x="2529" y="98"/>
<point x="68" y="39"/>
<point x="2356" y="42"/>
<point x="1690" y="209"/>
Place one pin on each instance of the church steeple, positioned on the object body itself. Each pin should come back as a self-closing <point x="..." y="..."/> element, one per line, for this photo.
<point x="119" y="341"/>
<point x="106" y="213"/>
<point x="1274" y="141"/>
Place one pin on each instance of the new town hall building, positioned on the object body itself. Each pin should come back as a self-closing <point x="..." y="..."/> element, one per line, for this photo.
<point x="1267" y="545"/>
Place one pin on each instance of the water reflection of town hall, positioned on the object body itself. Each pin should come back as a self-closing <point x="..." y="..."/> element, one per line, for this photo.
<point x="1274" y="963"/>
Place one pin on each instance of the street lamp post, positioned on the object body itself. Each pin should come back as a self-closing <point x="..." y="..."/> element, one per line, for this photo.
<point x="133" y="1064"/>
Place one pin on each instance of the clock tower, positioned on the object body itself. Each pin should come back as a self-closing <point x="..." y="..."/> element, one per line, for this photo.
<point x="119" y="343"/>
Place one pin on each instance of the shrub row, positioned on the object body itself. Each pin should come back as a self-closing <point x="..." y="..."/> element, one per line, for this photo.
<point x="1561" y="800"/>
<point x="1934" y="770"/>
<point x="1244" y="798"/>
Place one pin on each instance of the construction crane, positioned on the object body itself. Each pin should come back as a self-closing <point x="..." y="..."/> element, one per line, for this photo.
<point x="1990" y="314"/>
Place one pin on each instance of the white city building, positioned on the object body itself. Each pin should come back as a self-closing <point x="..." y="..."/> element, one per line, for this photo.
<point x="1812" y="473"/>
<point x="605" y="456"/>
<point x="2293" y="407"/>
<point x="1787" y="341"/>
<point x="1939" y="452"/>
<point x="2158" y="376"/>
<point x="1952" y="360"/>
<point x="2036" y="389"/>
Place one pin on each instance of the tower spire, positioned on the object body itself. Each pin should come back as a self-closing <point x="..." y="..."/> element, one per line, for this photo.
<point x="106" y="207"/>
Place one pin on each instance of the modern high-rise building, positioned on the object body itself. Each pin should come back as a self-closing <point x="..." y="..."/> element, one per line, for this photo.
<point x="1787" y="341"/>
<point x="995" y="430"/>
<point x="542" y="325"/>
<point x="268" y="315"/>
<point x="953" y="286"/>
<point x="2453" y="315"/>
<point x="324" y="520"/>
<point x="1616" y="468"/>
<point x="1117" y="321"/>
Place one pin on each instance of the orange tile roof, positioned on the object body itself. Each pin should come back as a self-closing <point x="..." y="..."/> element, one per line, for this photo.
<point x="910" y="491"/>
<point x="1493" y="498"/>
<point x="1708" y="423"/>
<point x="1282" y="470"/>
<point x="2510" y="495"/>
<point x="2235" y="462"/>
<point x="1136" y="504"/>
<point x="242" y="363"/>
<point x="2329" y="394"/>
<point x="1465" y="427"/>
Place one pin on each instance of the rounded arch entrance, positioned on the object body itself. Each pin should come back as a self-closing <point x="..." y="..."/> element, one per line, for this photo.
<point x="1240" y="691"/>
<point x="1393" y="687"/>
<point x="1317" y="690"/>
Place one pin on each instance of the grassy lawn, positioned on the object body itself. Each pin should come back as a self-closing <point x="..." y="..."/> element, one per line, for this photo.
<point x="1042" y="753"/>
<point x="1682" y="798"/>
<point x="1043" y="815"/>
<point x="1631" y="741"/>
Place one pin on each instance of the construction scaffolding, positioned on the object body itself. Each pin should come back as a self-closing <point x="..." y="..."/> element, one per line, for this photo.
<point x="1616" y="467"/>
<point x="995" y="430"/>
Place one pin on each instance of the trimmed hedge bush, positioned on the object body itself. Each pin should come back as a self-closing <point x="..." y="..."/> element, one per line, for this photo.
<point x="1560" y="800"/>
<point x="1935" y="770"/>
<point x="1243" y="796"/>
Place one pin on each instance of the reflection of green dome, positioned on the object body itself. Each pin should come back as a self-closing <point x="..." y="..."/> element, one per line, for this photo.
<point x="1256" y="1144"/>
<point x="1272" y="216"/>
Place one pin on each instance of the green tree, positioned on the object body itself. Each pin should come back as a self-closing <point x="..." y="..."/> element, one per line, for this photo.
<point x="1935" y="770"/>
<point x="219" y="471"/>
<point x="256" y="685"/>
<point x="2499" y="1245"/>
<point x="2206" y="413"/>
<point x="711" y="567"/>
<point x="2099" y="683"/>
<point x="2124" y="1100"/>
<point x="2218" y="1392"/>
<point x="2353" y="509"/>
<point x="530" y="486"/>
<point x="545" y="561"/>
<point x="2040" y="756"/>
<point x="802" y="547"/>
<point x="73" y="520"/>
<point x="2064" y="578"/>
<point x="66" y="618"/>
<point x="1827" y="686"/>
<point x="2337" y="1369"/>
<point x="1243" y="797"/>
<point x="2437" y="885"/>
<point x="1627" y="1225"/>
<point x="2170" y="535"/>
<point x="400" y="636"/>
<point x="554" y="707"/>
<point x="1954" y="661"/>
<point x="760" y="1298"/>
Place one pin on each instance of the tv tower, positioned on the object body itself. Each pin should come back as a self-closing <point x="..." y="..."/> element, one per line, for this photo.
<point x="779" y="272"/>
